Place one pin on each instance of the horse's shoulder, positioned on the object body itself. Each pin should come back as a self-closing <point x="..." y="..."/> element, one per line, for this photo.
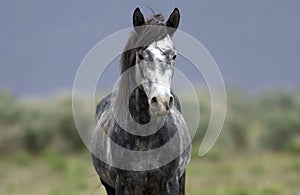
<point x="102" y="106"/>
<point x="176" y="101"/>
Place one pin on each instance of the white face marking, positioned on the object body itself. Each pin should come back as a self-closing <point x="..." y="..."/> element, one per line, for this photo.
<point x="160" y="47"/>
<point x="155" y="69"/>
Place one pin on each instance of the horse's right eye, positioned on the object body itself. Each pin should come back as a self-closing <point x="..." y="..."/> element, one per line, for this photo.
<point x="174" y="57"/>
<point x="141" y="57"/>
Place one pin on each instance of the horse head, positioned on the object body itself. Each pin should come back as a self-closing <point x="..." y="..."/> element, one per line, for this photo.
<point x="154" y="61"/>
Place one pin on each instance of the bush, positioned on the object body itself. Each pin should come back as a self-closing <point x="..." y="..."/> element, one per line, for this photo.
<point x="67" y="127"/>
<point x="38" y="127"/>
<point x="280" y="115"/>
<point x="270" y="119"/>
<point x="9" y="112"/>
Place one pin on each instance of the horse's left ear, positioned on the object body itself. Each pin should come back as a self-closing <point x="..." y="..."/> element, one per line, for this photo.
<point x="173" y="21"/>
<point x="138" y="18"/>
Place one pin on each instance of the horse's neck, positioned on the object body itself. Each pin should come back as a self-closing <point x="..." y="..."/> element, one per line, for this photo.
<point x="133" y="99"/>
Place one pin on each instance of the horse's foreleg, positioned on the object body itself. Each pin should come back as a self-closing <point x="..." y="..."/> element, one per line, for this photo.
<point x="128" y="189"/>
<point x="172" y="187"/>
<point x="182" y="184"/>
<point x="109" y="189"/>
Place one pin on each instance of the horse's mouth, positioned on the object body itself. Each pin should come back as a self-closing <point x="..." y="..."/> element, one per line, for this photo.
<point x="161" y="113"/>
<point x="158" y="113"/>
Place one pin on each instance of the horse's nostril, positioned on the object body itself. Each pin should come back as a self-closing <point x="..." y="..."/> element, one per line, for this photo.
<point x="167" y="106"/>
<point x="171" y="102"/>
<point x="153" y="100"/>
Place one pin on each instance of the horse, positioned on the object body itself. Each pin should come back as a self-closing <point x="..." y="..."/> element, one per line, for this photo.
<point x="125" y="116"/>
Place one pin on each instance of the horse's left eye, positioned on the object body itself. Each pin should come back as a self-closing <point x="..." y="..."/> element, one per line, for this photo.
<point x="141" y="57"/>
<point x="174" y="57"/>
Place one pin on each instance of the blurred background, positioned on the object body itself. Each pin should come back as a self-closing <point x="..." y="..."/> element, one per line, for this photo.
<point x="256" y="45"/>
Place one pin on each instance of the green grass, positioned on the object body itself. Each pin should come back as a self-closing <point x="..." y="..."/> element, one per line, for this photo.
<point x="248" y="174"/>
<point x="232" y="174"/>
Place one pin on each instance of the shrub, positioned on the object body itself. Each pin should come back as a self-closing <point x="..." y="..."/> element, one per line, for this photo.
<point x="67" y="127"/>
<point x="38" y="127"/>
<point x="9" y="112"/>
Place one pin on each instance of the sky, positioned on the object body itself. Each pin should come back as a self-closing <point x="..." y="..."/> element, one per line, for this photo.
<point x="256" y="43"/>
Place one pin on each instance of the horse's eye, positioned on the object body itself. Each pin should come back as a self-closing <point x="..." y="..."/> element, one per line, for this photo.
<point x="174" y="57"/>
<point x="141" y="57"/>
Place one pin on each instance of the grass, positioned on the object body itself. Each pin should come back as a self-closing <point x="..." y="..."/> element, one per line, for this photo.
<point x="241" y="174"/>
<point x="234" y="174"/>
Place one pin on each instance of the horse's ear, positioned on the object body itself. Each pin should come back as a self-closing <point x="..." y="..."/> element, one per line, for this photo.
<point x="138" y="18"/>
<point x="173" y="21"/>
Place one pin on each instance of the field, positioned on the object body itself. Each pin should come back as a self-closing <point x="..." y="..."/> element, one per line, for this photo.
<point x="257" y="153"/>
<point x="214" y="174"/>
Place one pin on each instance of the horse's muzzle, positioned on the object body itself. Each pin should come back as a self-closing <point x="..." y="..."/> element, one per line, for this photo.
<point x="161" y="106"/>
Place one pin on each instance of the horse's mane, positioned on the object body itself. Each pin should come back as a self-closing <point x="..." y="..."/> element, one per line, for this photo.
<point x="153" y="30"/>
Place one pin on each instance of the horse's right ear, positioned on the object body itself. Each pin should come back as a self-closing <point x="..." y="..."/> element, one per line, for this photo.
<point x="173" y="21"/>
<point x="138" y="18"/>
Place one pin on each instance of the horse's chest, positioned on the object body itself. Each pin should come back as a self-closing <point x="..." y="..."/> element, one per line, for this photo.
<point x="148" y="178"/>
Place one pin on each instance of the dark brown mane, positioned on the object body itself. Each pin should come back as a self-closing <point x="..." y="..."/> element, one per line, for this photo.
<point x="153" y="30"/>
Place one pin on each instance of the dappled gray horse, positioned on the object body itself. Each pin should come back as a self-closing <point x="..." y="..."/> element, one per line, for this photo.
<point x="143" y="116"/>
